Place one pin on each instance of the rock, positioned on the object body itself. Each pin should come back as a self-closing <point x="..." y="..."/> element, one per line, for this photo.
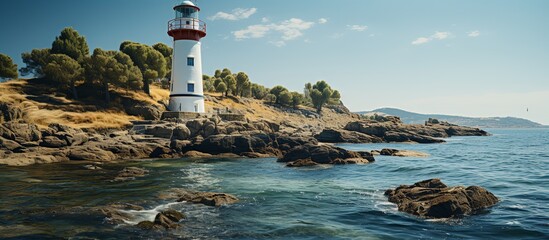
<point x="20" y="132"/>
<point x="167" y="219"/>
<point x="147" y="111"/>
<point x="340" y="136"/>
<point x="367" y="155"/>
<point x="161" y="152"/>
<point x="196" y="154"/>
<point x="301" y="163"/>
<point x="114" y="214"/>
<point x="322" y="154"/>
<point x="181" y="132"/>
<point x="160" y="131"/>
<point x="9" y="144"/>
<point x="401" y="153"/>
<point x="195" y="126"/>
<point x="433" y="199"/>
<point x="92" y="167"/>
<point x="130" y="173"/>
<point x="53" y="142"/>
<point x="90" y="153"/>
<point x="39" y="156"/>
<point x="206" y="198"/>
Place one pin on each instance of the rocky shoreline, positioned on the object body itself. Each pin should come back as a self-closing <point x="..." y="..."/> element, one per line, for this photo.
<point x="24" y="143"/>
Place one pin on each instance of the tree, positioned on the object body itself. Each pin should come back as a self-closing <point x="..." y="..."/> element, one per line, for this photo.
<point x="150" y="61"/>
<point x="285" y="98"/>
<point x="8" y="69"/>
<point x="226" y="72"/>
<point x="72" y="44"/>
<point x="297" y="99"/>
<point x="167" y="52"/>
<point x="35" y="60"/>
<point x="258" y="91"/>
<point x="64" y="70"/>
<point x="221" y="87"/>
<point x="270" y="98"/>
<point x="230" y="82"/>
<point x="113" y="67"/>
<point x="277" y="90"/>
<point x="217" y="73"/>
<point x="321" y="93"/>
<point x="242" y="82"/>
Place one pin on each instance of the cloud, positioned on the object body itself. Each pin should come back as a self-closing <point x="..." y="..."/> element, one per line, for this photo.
<point x="236" y="14"/>
<point x="358" y="28"/>
<point x="265" y="20"/>
<point x="421" y="40"/>
<point x="436" y="36"/>
<point x="440" y="35"/>
<point x="475" y="33"/>
<point x="288" y="29"/>
<point x="322" y="21"/>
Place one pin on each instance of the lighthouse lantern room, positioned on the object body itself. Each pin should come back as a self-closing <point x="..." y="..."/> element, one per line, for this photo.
<point x="186" y="91"/>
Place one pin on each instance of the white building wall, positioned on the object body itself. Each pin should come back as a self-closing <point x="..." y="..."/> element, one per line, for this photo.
<point x="182" y="100"/>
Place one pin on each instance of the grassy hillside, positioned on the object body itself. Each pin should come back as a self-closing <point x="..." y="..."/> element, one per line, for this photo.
<point x="41" y="104"/>
<point x="491" y="122"/>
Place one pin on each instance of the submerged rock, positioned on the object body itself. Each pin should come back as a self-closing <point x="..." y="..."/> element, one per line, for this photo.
<point x="433" y="199"/>
<point x="401" y="153"/>
<point x="130" y="173"/>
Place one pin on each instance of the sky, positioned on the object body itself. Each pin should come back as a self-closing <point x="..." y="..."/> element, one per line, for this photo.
<point x="464" y="57"/>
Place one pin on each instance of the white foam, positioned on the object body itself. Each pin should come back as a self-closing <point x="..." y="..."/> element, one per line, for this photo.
<point x="146" y="215"/>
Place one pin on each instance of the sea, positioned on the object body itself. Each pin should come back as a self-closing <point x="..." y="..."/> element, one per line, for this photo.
<point x="278" y="202"/>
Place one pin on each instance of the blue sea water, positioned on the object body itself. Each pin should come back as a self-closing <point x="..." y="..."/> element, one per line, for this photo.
<point x="276" y="202"/>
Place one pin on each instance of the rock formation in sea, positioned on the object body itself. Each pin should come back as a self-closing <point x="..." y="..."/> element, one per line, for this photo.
<point x="433" y="199"/>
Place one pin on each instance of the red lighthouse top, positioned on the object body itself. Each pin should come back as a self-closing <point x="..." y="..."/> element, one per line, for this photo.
<point x="186" y="25"/>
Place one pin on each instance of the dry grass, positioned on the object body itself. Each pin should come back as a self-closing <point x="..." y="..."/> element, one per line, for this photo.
<point x="44" y="114"/>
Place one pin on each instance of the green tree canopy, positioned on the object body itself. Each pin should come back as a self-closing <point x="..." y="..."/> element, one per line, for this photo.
<point x="63" y="70"/>
<point x="277" y="90"/>
<point x="259" y="91"/>
<point x="297" y="99"/>
<point x="270" y="98"/>
<point x="167" y="52"/>
<point x="285" y="98"/>
<point x="113" y="67"/>
<point x="321" y="93"/>
<point x="150" y="61"/>
<point x="8" y="69"/>
<point x="35" y="60"/>
<point x="230" y="82"/>
<point x="72" y="44"/>
<point x="242" y="83"/>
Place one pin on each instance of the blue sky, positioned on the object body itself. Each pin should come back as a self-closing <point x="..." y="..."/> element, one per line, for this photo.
<point x="472" y="58"/>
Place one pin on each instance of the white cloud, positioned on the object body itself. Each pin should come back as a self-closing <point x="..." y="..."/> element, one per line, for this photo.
<point x="435" y="36"/>
<point x="289" y="30"/>
<point x="322" y="21"/>
<point x="475" y="33"/>
<point x="421" y="40"/>
<point x="254" y="31"/>
<point x="235" y="14"/>
<point x="265" y="20"/>
<point x="358" y="28"/>
<point x="440" y="35"/>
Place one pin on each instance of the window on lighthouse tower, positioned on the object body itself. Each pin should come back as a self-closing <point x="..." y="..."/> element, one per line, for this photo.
<point x="190" y="61"/>
<point x="190" y="87"/>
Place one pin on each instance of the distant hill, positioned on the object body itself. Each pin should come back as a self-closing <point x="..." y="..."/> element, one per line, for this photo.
<point x="491" y="122"/>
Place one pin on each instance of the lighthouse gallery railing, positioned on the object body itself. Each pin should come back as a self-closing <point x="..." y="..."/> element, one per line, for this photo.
<point x="186" y="23"/>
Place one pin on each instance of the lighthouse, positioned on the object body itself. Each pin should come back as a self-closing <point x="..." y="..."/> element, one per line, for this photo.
<point x="186" y="29"/>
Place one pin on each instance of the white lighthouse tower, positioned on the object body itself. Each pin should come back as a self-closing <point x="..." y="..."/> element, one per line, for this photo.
<point x="186" y="91"/>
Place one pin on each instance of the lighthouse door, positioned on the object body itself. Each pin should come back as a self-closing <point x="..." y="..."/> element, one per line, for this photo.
<point x="195" y="107"/>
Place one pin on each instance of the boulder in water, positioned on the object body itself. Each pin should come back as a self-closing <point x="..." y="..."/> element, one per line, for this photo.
<point x="433" y="199"/>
